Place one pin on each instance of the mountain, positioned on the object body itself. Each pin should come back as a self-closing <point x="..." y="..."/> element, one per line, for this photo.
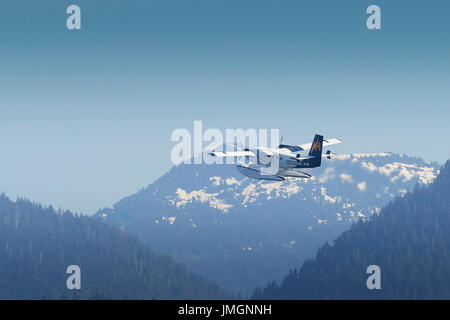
<point x="409" y="240"/>
<point x="242" y="233"/>
<point x="37" y="245"/>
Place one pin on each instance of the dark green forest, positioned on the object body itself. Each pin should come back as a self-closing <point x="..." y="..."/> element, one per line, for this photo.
<point x="409" y="240"/>
<point x="37" y="244"/>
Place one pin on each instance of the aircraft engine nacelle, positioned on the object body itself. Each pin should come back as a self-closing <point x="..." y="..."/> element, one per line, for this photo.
<point x="263" y="158"/>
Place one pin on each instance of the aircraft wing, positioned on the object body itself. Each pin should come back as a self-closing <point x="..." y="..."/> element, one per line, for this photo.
<point x="326" y="143"/>
<point x="233" y="154"/>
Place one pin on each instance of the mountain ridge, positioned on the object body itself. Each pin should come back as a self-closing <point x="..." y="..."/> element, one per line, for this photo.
<point x="223" y="225"/>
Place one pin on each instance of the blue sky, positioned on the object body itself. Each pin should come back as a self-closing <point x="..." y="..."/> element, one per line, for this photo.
<point x="86" y="116"/>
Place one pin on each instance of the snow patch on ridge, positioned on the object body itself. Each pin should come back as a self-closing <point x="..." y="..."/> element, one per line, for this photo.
<point x="327" y="198"/>
<point x="362" y="186"/>
<point x="346" y="177"/>
<point x="370" y="155"/>
<point x="183" y="198"/>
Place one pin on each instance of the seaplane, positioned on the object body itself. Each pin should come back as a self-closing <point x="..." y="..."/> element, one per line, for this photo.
<point x="277" y="164"/>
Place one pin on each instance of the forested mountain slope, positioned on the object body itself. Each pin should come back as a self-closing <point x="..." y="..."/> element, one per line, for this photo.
<point x="409" y="240"/>
<point x="37" y="245"/>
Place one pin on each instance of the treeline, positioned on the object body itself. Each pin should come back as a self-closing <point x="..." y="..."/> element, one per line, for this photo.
<point x="37" y="244"/>
<point x="409" y="240"/>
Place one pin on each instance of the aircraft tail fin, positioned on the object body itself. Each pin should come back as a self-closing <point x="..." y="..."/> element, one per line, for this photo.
<point x="316" y="149"/>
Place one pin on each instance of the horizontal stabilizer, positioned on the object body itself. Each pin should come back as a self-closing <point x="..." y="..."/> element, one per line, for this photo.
<point x="326" y="143"/>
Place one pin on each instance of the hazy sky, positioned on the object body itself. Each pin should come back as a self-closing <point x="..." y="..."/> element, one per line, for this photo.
<point x="86" y="116"/>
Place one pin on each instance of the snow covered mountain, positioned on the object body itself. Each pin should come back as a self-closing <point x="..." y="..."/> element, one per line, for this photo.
<point x="241" y="232"/>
